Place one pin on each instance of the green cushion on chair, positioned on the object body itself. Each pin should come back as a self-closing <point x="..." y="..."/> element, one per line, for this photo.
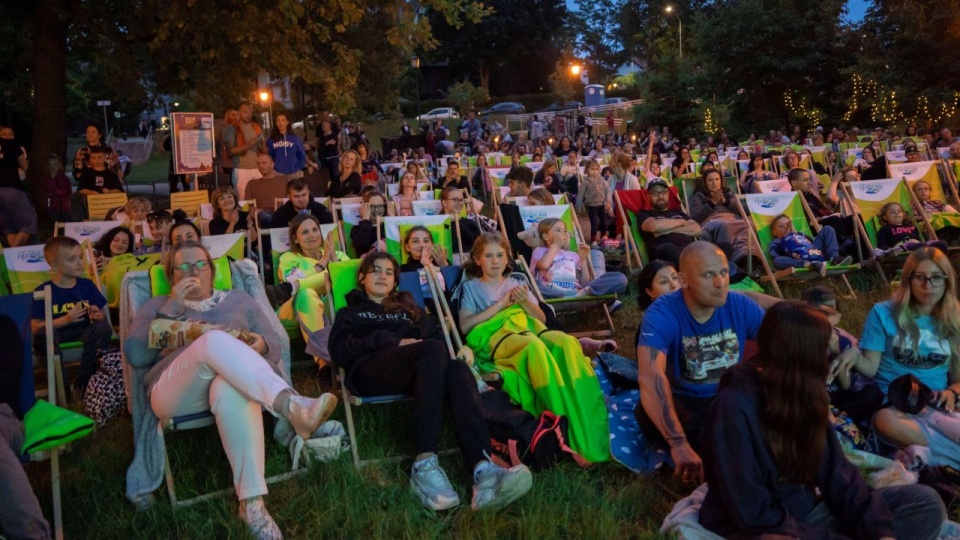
<point x="47" y="426"/>
<point x="222" y="280"/>
<point x="343" y="279"/>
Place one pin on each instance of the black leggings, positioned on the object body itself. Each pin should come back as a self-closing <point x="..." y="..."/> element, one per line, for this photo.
<point x="425" y="370"/>
<point x="598" y="221"/>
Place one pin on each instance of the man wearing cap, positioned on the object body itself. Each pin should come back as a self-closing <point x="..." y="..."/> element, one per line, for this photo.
<point x="878" y="170"/>
<point x="665" y="232"/>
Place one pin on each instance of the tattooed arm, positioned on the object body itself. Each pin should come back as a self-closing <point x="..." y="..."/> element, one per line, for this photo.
<point x="657" y="401"/>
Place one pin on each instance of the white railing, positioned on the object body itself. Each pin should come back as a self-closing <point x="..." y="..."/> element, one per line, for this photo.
<point x="519" y="122"/>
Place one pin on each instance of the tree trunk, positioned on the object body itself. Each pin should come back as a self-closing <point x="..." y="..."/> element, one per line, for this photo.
<point x="485" y="76"/>
<point x="49" y="92"/>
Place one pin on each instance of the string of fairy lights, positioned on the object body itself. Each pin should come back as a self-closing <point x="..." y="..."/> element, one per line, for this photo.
<point x="811" y="115"/>
<point x="709" y="126"/>
<point x="889" y="107"/>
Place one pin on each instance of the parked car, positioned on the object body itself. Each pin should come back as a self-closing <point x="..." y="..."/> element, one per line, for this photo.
<point x="507" y="107"/>
<point x="616" y="100"/>
<point x="442" y="113"/>
<point x="566" y="106"/>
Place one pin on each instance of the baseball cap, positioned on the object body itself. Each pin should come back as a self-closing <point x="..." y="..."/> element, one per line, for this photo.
<point x="657" y="182"/>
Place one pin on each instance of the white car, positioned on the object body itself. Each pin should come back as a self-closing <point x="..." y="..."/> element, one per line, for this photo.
<point x="443" y="113"/>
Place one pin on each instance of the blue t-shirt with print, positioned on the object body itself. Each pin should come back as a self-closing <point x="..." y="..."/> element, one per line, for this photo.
<point x="63" y="300"/>
<point x="929" y="360"/>
<point x="699" y="354"/>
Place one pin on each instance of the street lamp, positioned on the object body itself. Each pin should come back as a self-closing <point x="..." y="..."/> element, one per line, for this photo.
<point x="669" y="9"/>
<point x="415" y="64"/>
<point x="264" y="98"/>
<point x="575" y="69"/>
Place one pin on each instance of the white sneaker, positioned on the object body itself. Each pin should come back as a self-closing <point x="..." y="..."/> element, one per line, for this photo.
<point x="259" y="522"/>
<point x="495" y="487"/>
<point x="306" y="414"/>
<point x="429" y="482"/>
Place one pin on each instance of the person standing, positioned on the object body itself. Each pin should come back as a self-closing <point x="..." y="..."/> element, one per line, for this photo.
<point x="230" y="117"/>
<point x="289" y="157"/>
<point x="18" y="219"/>
<point x="94" y="139"/>
<point x="244" y="140"/>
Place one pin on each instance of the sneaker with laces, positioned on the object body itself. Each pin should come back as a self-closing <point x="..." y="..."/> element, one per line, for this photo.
<point x="306" y="414"/>
<point x="495" y="487"/>
<point x="259" y="522"/>
<point x="819" y="267"/>
<point x="429" y="482"/>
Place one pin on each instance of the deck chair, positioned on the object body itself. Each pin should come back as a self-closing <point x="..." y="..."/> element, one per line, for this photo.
<point x="99" y="205"/>
<point x="931" y="172"/>
<point x="867" y="197"/>
<point x="19" y="308"/>
<point x="763" y="208"/>
<point x="341" y="279"/>
<point x="85" y="230"/>
<point x="566" y="214"/>
<point x="135" y="292"/>
<point x="189" y="201"/>
<point x="629" y="202"/>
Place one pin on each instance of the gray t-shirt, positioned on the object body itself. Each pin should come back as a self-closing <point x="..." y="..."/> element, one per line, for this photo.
<point x="476" y="295"/>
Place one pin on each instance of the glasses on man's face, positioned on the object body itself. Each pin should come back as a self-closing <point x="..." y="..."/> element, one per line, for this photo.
<point x="936" y="280"/>
<point x="188" y="268"/>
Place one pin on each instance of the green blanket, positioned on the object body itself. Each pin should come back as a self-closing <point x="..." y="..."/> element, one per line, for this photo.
<point x="119" y="266"/>
<point x="545" y="373"/>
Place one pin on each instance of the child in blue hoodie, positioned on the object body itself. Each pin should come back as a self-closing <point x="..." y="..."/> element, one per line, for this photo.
<point x="791" y="249"/>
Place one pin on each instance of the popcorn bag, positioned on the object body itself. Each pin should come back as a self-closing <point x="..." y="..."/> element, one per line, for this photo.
<point x="178" y="333"/>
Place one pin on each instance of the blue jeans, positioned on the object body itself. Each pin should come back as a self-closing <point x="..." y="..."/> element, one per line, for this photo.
<point x="825" y="241"/>
<point x="918" y="512"/>
<point x="603" y="283"/>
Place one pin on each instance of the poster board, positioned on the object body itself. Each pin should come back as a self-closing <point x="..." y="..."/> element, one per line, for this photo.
<point x="192" y="143"/>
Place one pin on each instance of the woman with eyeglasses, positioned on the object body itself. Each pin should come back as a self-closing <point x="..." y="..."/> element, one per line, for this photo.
<point x="916" y="332"/>
<point x="374" y="208"/>
<point x="471" y="224"/>
<point x="235" y="378"/>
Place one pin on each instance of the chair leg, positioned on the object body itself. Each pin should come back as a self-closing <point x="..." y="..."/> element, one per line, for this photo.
<point x="351" y="431"/>
<point x="55" y="480"/>
<point x="168" y="473"/>
<point x="58" y="374"/>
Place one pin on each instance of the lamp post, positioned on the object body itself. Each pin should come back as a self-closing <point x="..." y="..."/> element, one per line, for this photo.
<point x="415" y="64"/>
<point x="264" y="99"/>
<point x="669" y="9"/>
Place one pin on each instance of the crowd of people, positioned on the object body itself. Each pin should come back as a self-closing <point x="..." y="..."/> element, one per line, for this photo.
<point x="732" y="385"/>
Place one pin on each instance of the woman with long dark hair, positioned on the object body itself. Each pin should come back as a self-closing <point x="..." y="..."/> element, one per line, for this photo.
<point x="94" y="139"/>
<point x="388" y="345"/>
<point x="286" y="149"/>
<point x="773" y="463"/>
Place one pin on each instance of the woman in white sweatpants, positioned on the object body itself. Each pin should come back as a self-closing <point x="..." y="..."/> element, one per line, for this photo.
<point x="232" y="378"/>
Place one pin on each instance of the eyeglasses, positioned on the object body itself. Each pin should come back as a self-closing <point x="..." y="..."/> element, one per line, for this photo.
<point x="200" y="266"/>
<point x="936" y="280"/>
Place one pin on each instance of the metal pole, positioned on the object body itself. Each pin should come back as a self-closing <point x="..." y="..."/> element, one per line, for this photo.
<point x="106" y="127"/>
<point x="681" y="35"/>
<point x="418" y="99"/>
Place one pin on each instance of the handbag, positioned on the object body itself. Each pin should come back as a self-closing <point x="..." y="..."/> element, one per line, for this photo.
<point x="105" y="396"/>
<point x="907" y="394"/>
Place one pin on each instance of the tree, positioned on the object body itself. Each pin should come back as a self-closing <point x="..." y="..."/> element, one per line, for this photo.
<point x="599" y="37"/>
<point x="772" y="49"/>
<point x="518" y="41"/>
<point x="465" y="96"/>
<point x="564" y="84"/>
<point x="211" y="51"/>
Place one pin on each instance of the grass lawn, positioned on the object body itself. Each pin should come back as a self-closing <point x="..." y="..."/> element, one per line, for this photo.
<point x="336" y="501"/>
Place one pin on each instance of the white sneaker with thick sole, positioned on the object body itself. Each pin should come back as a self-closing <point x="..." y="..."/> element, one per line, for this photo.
<point x="429" y="482"/>
<point x="495" y="487"/>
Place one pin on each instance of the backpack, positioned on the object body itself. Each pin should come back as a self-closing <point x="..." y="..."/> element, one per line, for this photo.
<point x="105" y="397"/>
<point x="518" y="437"/>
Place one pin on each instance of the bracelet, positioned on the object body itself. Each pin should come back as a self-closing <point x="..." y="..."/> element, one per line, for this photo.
<point x="952" y="391"/>
<point x="676" y="440"/>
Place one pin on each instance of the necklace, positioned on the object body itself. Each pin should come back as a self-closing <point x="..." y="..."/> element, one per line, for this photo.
<point x="207" y="303"/>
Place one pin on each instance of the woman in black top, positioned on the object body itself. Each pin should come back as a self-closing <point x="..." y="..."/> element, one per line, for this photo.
<point x="773" y="464"/>
<point x="227" y="216"/>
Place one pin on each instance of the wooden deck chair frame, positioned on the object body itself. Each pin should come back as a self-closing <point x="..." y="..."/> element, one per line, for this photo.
<point x="349" y="399"/>
<point x="200" y="419"/>
<point x="189" y="201"/>
<point x="897" y="259"/>
<point x="793" y="274"/>
<point x="54" y="395"/>
<point x="569" y="304"/>
<point x="98" y="205"/>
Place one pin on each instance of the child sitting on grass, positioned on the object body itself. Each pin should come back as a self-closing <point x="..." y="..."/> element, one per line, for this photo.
<point x="898" y="234"/>
<point x="77" y="306"/>
<point x="791" y="249"/>
<point x="560" y="273"/>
